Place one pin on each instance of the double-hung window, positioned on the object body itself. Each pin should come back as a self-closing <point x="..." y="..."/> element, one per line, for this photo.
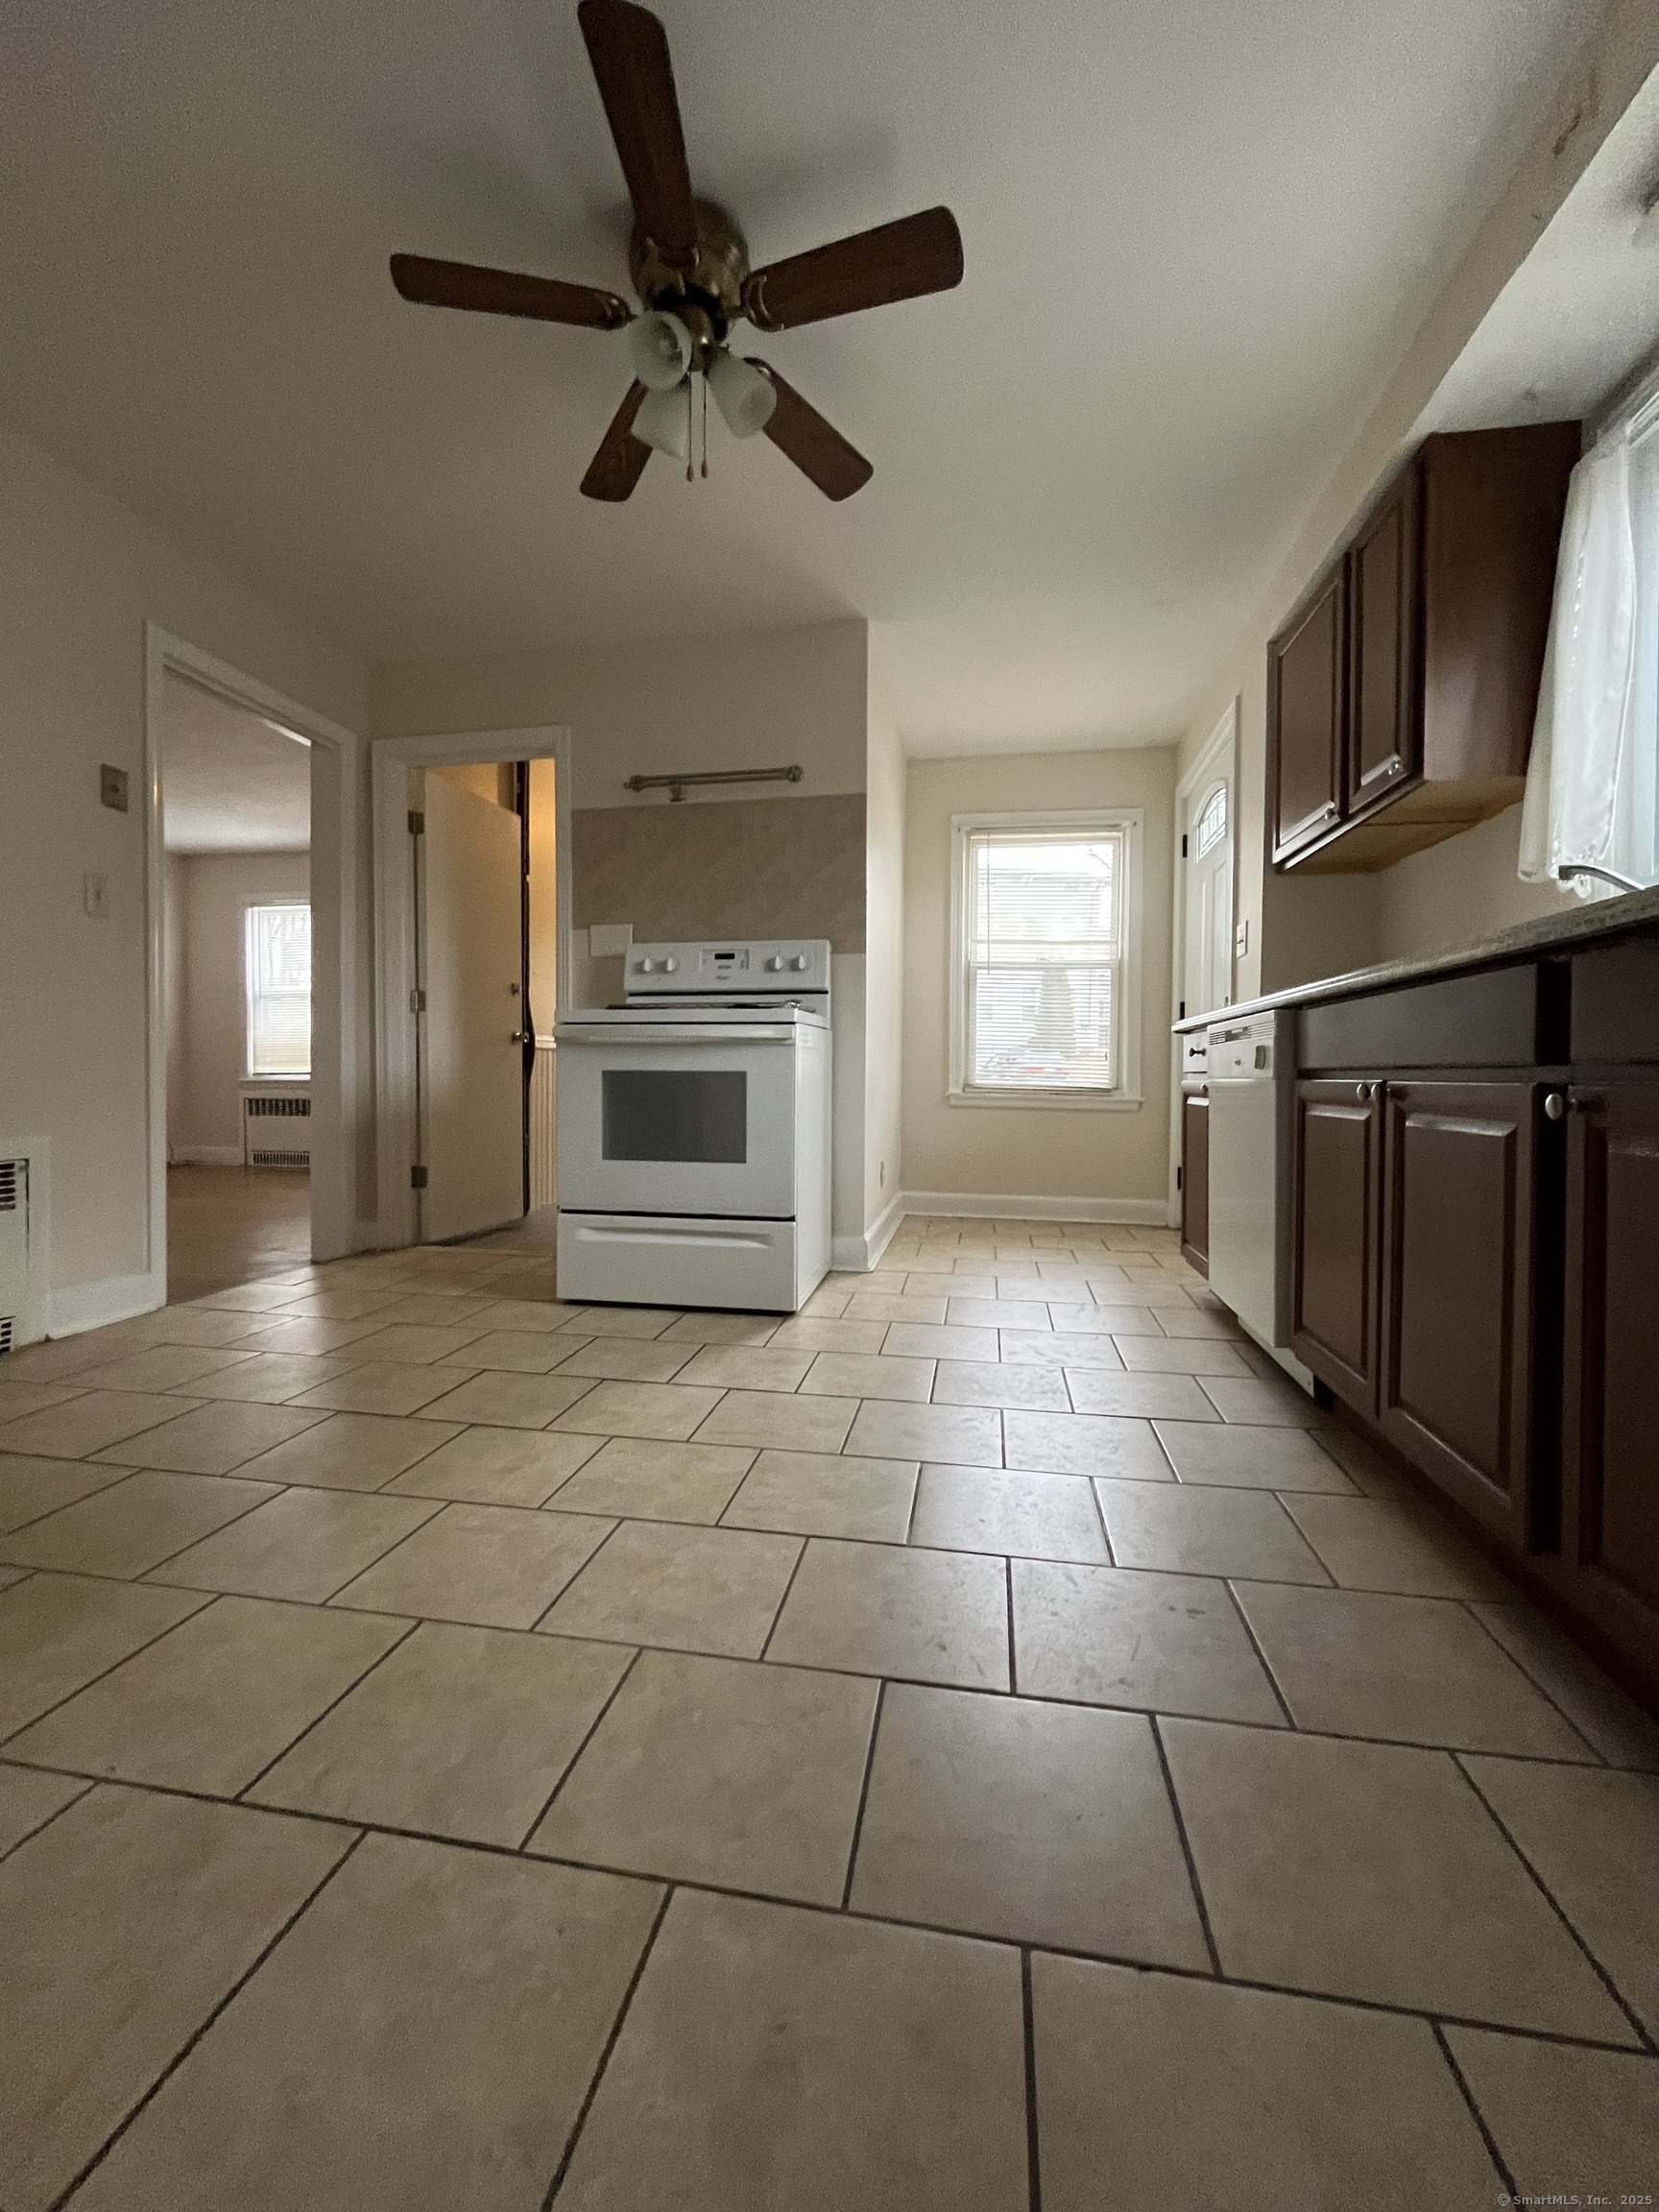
<point x="1045" y="958"/>
<point x="278" y="950"/>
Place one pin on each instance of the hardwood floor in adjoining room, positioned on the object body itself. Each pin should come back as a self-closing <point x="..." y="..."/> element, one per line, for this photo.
<point x="232" y="1225"/>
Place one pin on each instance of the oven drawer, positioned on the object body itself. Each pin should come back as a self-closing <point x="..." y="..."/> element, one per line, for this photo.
<point x="637" y="1259"/>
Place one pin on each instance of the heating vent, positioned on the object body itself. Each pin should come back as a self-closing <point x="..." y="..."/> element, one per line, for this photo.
<point x="9" y="1183"/>
<point x="276" y="1129"/>
<point x="13" y="1253"/>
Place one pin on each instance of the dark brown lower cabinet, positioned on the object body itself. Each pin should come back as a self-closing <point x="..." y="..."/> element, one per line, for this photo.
<point x="1195" y="1179"/>
<point x="1610" y="1454"/>
<point x="1459" y="1228"/>
<point x="1337" y="1198"/>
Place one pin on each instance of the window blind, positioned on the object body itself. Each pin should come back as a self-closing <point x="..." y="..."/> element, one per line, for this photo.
<point x="1044" y="940"/>
<point x="278" y="951"/>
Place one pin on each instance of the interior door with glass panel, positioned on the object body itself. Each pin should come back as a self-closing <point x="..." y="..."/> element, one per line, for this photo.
<point x="1207" y="841"/>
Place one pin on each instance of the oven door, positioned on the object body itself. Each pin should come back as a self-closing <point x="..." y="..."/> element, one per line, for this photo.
<point x="670" y="1118"/>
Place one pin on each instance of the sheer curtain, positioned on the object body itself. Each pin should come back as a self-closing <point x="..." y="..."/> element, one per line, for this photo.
<point x="1592" y="782"/>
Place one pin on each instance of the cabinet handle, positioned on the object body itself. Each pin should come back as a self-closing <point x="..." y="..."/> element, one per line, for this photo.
<point x="1556" y="1106"/>
<point x="1364" y="1092"/>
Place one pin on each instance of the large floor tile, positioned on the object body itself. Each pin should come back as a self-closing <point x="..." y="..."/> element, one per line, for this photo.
<point x="424" y="2036"/>
<point x="133" y="1524"/>
<point x="435" y="1307"/>
<point x="989" y="1509"/>
<point x="460" y="1732"/>
<point x="1379" y="1544"/>
<point x="643" y="1321"/>
<point x="505" y="1400"/>
<point x="927" y="1340"/>
<point x="415" y="1343"/>
<point x="396" y="1386"/>
<point x="81" y="1426"/>
<point x="211" y="1440"/>
<point x="957" y="1436"/>
<point x="989" y="1313"/>
<point x="1140" y="1397"/>
<point x="721" y="1771"/>
<point x="779" y="1420"/>
<point x="57" y="1632"/>
<point x="17" y="1399"/>
<point x="1174" y="1355"/>
<point x="1373" y="1871"/>
<point x="1084" y="1444"/>
<point x="1594" y="1838"/>
<point x="668" y="1410"/>
<point x="157" y="1367"/>
<point x="1161" y="2094"/>
<point x="1250" y="1458"/>
<point x="683" y="1588"/>
<point x="1091" y="1347"/>
<point x="31" y="1488"/>
<point x="774" y="2057"/>
<point x="608" y="1358"/>
<point x="1574" y="2127"/>
<point x="804" y="1333"/>
<point x="722" y="1329"/>
<point x="642" y="1480"/>
<point x="748" y="1367"/>
<point x="29" y="1799"/>
<point x="1114" y="1636"/>
<point x="995" y="1383"/>
<point x="1044" y="1823"/>
<point x="271" y="1378"/>
<point x="885" y="1609"/>
<point x="527" y="1315"/>
<point x="174" y="1901"/>
<point x="1597" y="1708"/>
<point x="510" y="1351"/>
<point x="1417" y="1670"/>
<point x="214" y="1701"/>
<point x="928" y="1311"/>
<point x="495" y="1566"/>
<point x="1188" y="1321"/>
<point x="351" y="1452"/>
<point x="866" y="1374"/>
<point x="304" y="1339"/>
<point x="826" y="1494"/>
<point x="1194" y="1530"/>
<point x="305" y="1545"/>
<point x="495" y="1466"/>
<point x="1264" y="1404"/>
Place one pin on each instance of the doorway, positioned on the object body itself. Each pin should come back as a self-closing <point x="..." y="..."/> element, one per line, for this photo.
<point x="1206" y="834"/>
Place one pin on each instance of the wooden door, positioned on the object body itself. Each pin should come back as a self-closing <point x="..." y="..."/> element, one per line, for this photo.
<point x="1195" y="1180"/>
<point x="1335" y="1274"/>
<point x="1305" y="691"/>
<point x="1385" y="629"/>
<point x="1460" y="1227"/>
<point x="1610" y="1464"/>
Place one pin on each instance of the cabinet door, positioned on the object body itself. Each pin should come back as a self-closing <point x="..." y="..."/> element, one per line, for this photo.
<point x="1610" y="1463"/>
<point x="1338" y="1172"/>
<point x="1195" y="1180"/>
<point x="1384" y="720"/>
<point x="1459" y="1225"/>
<point x="1305" y="692"/>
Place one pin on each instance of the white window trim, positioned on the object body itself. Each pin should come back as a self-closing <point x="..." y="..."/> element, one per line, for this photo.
<point x="1125" y="1096"/>
<point x="250" y="1080"/>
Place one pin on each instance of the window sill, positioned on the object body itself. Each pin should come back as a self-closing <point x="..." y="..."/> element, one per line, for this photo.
<point x="1061" y="1101"/>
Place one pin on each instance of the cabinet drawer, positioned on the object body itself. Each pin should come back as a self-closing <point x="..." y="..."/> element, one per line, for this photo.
<point x="1616" y="1004"/>
<point x="1484" y="1020"/>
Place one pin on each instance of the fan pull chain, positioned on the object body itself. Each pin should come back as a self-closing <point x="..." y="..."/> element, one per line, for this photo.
<point x="705" y="424"/>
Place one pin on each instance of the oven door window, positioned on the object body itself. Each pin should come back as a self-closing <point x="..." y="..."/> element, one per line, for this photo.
<point x="657" y="1114"/>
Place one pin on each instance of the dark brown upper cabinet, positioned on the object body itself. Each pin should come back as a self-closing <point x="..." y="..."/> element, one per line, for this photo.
<point x="1401" y="691"/>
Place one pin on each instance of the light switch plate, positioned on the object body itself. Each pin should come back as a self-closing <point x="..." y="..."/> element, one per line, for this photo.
<point x="607" y="940"/>
<point x="1242" y="939"/>
<point x="112" y="788"/>
<point x="95" y="896"/>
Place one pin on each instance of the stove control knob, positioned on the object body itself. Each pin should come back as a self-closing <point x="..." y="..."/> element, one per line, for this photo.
<point x="646" y="967"/>
<point x="670" y="966"/>
<point x="774" y="961"/>
<point x="798" y="961"/>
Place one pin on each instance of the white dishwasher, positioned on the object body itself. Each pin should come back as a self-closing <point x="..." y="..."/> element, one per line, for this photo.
<point x="1249" y="1126"/>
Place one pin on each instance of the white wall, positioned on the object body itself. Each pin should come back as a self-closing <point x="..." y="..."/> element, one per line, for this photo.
<point x="1460" y="892"/>
<point x="1099" y="1158"/>
<point x="204" y="1101"/>
<point x="79" y="578"/>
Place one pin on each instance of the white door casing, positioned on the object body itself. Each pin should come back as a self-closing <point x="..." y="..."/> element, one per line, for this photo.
<point x="470" y="1060"/>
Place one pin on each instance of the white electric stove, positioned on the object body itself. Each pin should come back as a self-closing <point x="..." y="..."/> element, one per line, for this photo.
<point x="695" y="1130"/>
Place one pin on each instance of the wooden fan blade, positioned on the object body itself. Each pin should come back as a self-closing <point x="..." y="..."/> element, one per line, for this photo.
<point x="620" y="461"/>
<point x="816" y="446"/>
<point x="897" y="261"/>
<point x="629" y="49"/>
<point x="504" y="292"/>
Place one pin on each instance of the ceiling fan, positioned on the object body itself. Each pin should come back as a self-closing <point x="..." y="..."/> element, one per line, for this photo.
<point x="691" y="268"/>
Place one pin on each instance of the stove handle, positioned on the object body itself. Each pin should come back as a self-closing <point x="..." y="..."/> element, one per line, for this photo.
<point x="674" y="1033"/>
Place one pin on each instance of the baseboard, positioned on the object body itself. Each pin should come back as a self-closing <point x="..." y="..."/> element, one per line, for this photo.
<point x="858" y="1255"/>
<point x="204" y="1155"/>
<point x="974" y="1205"/>
<point x="95" y="1304"/>
<point x="850" y="1256"/>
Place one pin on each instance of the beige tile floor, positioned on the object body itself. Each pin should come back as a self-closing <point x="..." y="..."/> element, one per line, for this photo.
<point x="985" y="1743"/>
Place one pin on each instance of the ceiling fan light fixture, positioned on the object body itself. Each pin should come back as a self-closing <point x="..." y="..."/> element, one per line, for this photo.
<point x="664" y="421"/>
<point x="660" y="347"/>
<point x="745" y="397"/>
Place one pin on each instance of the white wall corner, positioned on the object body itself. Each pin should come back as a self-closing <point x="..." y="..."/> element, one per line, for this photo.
<point x="95" y="1304"/>
<point x="858" y="1255"/>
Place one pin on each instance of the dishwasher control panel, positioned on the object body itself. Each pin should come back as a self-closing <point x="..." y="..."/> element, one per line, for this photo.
<point x="1241" y="1054"/>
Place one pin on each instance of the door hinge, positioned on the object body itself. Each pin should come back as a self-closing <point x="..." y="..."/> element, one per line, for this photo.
<point x="1178" y="1178"/>
<point x="1183" y="844"/>
<point x="416" y="823"/>
<point x="417" y="1001"/>
<point x="417" y="1178"/>
<point x="1182" y="1016"/>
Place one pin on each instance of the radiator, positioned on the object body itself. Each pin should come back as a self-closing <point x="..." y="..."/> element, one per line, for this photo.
<point x="17" y="1323"/>
<point x="543" y="1183"/>
<point x="276" y="1129"/>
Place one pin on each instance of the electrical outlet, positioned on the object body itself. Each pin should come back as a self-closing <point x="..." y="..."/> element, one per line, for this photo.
<point x="112" y="788"/>
<point x="608" y="939"/>
<point x="95" y="896"/>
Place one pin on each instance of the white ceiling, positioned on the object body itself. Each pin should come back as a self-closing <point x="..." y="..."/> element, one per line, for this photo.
<point x="1197" y="235"/>
<point x="230" y="781"/>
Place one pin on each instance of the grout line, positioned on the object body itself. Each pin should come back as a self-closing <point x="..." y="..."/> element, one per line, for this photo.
<point x="577" y="1573"/>
<point x="1511" y="2194"/>
<point x="1597" y="1753"/>
<point x="1033" y="2158"/>
<point x="783" y="1600"/>
<point x="229" y="1998"/>
<point x="1100" y="1516"/>
<point x="1255" y="1646"/>
<point x="611" y="2041"/>
<point x="17" y="1841"/>
<point x="1459" y="1761"/>
<point x="569" y="1765"/>
<point x="208" y="1597"/>
<point x="1013" y="1655"/>
<point x="1180" y="1818"/>
<point x="397" y="1644"/>
<point x="863" y="1794"/>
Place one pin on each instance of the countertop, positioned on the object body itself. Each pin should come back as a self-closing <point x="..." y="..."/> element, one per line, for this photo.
<point x="1596" y="919"/>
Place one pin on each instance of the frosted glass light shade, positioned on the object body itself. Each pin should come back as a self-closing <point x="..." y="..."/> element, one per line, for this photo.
<point x="743" y="395"/>
<point x="664" y="421"/>
<point x="660" y="347"/>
